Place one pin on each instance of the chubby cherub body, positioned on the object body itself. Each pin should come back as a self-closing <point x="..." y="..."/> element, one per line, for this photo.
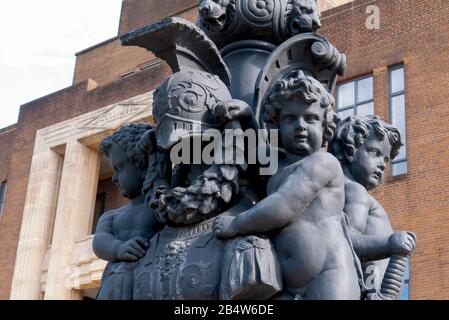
<point x="364" y="146"/>
<point x="304" y="206"/>
<point x="122" y="235"/>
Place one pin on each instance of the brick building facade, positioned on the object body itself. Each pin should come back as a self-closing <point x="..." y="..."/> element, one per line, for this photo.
<point x="412" y="33"/>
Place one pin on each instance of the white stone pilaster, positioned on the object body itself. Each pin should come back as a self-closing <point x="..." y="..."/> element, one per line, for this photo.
<point x="37" y="222"/>
<point x="75" y="208"/>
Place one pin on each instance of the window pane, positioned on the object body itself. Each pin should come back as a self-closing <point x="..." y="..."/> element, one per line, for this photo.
<point x="346" y="95"/>
<point x="397" y="80"/>
<point x="398" y="113"/>
<point x="2" y="196"/>
<point x="365" y="90"/>
<point x="398" y="120"/>
<point x="344" y="114"/>
<point x="398" y="169"/>
<point x="2" y="190"/>
<point x="405" y="292"/>
<point x="366" y="109"/>
<point x="402" y="156"/>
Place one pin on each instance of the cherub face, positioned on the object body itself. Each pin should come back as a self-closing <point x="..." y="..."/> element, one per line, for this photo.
<point x="301" y="126"/>
<point x="127" y="176"/>
<point x="370" y="160"/>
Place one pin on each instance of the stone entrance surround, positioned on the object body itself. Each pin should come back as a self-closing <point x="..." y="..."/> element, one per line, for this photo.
<point x="60" y="203"/>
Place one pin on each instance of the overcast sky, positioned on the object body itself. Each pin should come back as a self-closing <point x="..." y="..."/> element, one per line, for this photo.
<point x="38" y="42"/>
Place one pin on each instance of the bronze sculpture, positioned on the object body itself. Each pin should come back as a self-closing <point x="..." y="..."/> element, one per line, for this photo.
<point x="221" y="231"/>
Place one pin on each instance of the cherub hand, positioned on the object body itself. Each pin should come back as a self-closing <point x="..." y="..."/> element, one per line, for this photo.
<point x="223" y="227"/>
<point x="233" y="110"/>
<point x="402" y="243"/>
<point x="133" y="249"/>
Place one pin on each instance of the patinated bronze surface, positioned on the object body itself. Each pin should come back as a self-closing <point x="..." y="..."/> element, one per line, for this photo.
<point x="205" y="221"/>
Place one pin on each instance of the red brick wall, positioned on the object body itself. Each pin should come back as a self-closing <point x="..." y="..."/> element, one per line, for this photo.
<point x="105" y="64"/>
<point x="138" y="13"/>
<point x="415" y="33"/>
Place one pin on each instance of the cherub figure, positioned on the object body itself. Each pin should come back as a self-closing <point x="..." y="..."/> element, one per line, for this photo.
<point x="123" y="235"/>
<point x="304" y="206"/>
<point x="364" y="146"/>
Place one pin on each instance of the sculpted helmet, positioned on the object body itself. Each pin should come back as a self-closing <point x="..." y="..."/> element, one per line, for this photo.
<point x="183" y="106"/>
<point x="184" y="102"/>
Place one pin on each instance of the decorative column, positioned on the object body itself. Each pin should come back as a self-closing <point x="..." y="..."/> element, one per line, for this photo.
<point x="37" y="221"/>
<point x="74" y="213"/>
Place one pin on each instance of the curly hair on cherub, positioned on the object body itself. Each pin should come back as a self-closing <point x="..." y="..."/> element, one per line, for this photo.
<point x="127" y="138"/>
<point x="352" y="132"/>
<point x="309" y="90"/>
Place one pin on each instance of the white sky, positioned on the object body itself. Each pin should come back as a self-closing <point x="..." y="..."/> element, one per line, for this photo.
<point x="38" y="42"/>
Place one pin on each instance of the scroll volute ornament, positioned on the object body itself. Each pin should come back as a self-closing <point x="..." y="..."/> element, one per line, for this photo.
<point x="274" y="21"/>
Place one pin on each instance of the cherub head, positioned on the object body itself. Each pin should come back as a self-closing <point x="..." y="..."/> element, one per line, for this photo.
<point x="364" y="146"/>
<point x="127" y="159"/>
<point x="301" y="108"/>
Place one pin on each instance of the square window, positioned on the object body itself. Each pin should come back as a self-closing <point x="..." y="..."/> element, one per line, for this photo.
<point x="356" y="98"/>
<point x="365" y="90"/>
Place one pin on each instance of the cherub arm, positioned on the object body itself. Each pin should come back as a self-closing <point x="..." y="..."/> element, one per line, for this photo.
<point x="107" y="247"/>
<point x="290" y="200"/>
<point x="378" y="241"/>
<point x="105" y="244"/>
<point x="370" y="247"/>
